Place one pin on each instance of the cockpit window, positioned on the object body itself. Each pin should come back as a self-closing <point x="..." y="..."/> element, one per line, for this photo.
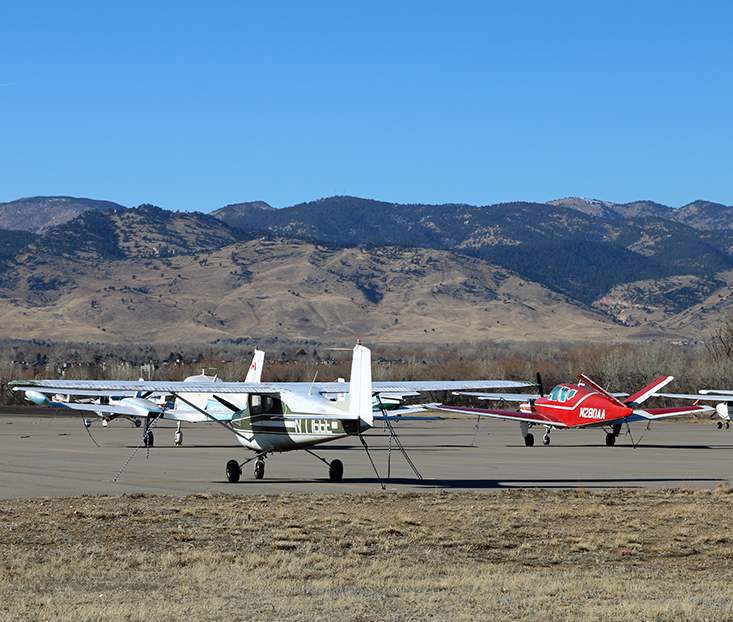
<point x="561" y="394"/>
<point x="265" y="405"/>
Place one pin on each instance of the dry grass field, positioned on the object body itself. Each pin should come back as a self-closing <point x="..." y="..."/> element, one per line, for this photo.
<point x="516" y="555"/>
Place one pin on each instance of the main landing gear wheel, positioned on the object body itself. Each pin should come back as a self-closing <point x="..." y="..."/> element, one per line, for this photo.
<point x="336" y="470"/>
<point x="720" y="425"/>
<point x="259" y="468"/>
<point x="149" y="440"/>
<point x="233" y="471"/>
<point x="529" y="440"/>
<point x="610" y="439"/>
<point x="546" y="439"/>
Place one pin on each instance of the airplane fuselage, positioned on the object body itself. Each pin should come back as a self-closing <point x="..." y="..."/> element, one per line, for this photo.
<point x="579" y="405"/>
<point x="285" y="434"/>
<point x="285" y="422"/>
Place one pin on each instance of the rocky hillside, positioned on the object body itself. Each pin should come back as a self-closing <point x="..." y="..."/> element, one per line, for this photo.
<point x="38" y="214"/>
<point x="346" y="267"/>
<point x="288" y="288"/>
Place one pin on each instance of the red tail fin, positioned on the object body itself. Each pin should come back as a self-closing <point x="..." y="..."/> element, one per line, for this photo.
<point x="647" y="392"/>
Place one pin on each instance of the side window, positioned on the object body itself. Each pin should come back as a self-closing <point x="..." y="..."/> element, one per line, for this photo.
<point x="265" y="405"/>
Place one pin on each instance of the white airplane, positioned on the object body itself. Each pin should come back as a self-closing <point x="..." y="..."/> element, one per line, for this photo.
<point x="146" y="407"/>
<point x="277" y="417"/>
<point x="723" y="396"/>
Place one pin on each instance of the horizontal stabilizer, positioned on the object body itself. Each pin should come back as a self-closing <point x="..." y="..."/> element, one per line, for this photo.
<point x="641" y="396"/>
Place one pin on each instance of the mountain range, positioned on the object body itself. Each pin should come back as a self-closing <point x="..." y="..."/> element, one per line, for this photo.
<point x="345" y="267"/>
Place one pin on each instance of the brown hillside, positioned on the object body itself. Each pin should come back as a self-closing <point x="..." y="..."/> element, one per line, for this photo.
<point x="292" y="290"/>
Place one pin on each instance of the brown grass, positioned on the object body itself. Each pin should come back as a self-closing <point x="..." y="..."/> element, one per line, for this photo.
<point x="517" y="555"/>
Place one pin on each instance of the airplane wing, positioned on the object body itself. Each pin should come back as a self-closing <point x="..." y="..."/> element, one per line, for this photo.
<point x="132" y="388"/>
<point x="422" y="386"/>
<point x="132" y="406"/>
<point x="663" y="413"/>
<point x="717" y="396"/>
<point x="510" y="415"/>
<point x="501" y="397"/>
<point x="549" y="420"/>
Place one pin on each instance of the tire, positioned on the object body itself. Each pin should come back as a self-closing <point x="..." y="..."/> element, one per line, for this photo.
<point x="546" y="439"/>
<point x="233" y="471"/>
<point x="259" y="469"/>
<point x="610" y="439"/>
<point x="149" y="439"/>
<point x="529" y="440"/>
<point x="336" y="470"/>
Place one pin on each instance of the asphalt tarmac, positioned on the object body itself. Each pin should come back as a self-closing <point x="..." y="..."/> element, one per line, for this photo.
<point x="47" y="455"/>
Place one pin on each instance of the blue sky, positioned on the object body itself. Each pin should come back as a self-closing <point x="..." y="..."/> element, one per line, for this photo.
<point x="196" y="105"/>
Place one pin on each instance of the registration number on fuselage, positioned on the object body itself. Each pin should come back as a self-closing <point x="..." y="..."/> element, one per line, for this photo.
<point x="316" y="426"/>
<point x="593" y="413"/>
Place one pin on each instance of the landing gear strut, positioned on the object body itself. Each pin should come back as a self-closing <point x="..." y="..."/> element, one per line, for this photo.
<point x="259" y="468"/>
<point x="524" y="426"/>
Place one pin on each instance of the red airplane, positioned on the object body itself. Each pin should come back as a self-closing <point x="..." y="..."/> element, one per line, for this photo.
<point x="581" y="405"/>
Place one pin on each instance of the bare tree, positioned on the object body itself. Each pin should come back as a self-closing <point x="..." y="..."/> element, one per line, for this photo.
<point x="719" y="343"/>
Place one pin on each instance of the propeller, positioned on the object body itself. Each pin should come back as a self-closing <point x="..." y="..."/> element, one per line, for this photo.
<point x="539" y="384"/>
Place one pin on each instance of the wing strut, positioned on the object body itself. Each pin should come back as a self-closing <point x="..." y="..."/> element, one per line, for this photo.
<point x="144" y="439"/>
<point x="366" y="448"/>
<point x="393" y="434"/>
<point x="214" y="419"/>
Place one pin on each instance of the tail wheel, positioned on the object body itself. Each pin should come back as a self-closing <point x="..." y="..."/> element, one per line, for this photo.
<point x="233" y="471"/>
<point x="336" y="470"/>
<point x="259" y="469"/>
<point x="610" y="439"/>
<point x="529" y="440"/>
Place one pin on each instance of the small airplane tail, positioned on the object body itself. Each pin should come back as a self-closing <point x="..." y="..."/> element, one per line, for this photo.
<point x="723" y="409"/>
<point x="360" y="386"/>
<point x="255" y="369"/>
<point x="641" y="396"/>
